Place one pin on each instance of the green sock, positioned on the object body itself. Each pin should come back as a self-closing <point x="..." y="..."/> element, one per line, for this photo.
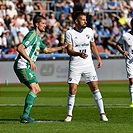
<point x="29" y="101"/>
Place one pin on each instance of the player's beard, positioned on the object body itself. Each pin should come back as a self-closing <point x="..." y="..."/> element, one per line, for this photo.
<point x="83" y="26"/>
<point x="41" y="30"/>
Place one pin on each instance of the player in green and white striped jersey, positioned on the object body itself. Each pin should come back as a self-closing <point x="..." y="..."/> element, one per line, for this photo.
<point x="24" y="65"/>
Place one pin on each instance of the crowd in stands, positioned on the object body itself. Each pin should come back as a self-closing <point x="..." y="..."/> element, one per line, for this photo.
<point x="108" y="19"/>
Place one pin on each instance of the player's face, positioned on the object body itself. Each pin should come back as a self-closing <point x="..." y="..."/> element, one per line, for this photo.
<point x="81" y="21"/>
<point x="42" y="25"/>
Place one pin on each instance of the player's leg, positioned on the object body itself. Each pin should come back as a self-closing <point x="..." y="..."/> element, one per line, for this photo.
<point x="28" y="77"/>
<point x="71" y="101"/>
<point x="29" y="100"/>
<point x="98" y="99"/>
<point x="131" y="91"/>
<point x="92" y="80"/>
<point x="73" y="81"/>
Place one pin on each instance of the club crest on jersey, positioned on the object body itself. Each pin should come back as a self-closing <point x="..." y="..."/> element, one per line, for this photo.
<point x="88" y="36"/>
<point x="27" y="42"/>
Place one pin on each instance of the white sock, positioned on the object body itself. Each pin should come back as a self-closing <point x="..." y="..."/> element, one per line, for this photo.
<point x="99" y="101"/>
<point x="71" y="101"/>
<point x="131" y="92"/>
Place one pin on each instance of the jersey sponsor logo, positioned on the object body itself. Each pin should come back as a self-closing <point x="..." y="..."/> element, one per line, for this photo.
<point x="27" y="42"/>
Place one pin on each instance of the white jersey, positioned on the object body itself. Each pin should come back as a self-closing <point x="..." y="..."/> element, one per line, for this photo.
<point x="78" y="66"/>
<point x="80" y="42"/>
<point x="127" y="41"/>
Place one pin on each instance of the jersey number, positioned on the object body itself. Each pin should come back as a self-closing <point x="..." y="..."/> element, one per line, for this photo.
<point x="82" y="51"/>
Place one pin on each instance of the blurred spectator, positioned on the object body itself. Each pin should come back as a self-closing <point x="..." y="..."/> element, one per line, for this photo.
<point x="9" y="38"/>
<point x="131" y="3"/>
<point x="58" y="8"/>
<point x="6" y="45"/>
<point x="57" y="29"/>
<point x="1" y="28"/>
<point x="71" y="6"/>
<point x="122" y="20"/>
<point x="13" y="50"/>
<point x="10" y="3"/>
<point x="107" y="22"/>
<point x="21" y="7"/>
<point x="11" y="11"/>
<point x="21" y="19"/>
<point x="18" y="38"/>
<point x="52" y="20"/>
<point x="23" y="29"/>
<point x="116" y="31"/>
<point x="7" y="21"/>
<point x="65" y="7"/>
<point x="62" y="18"/>
<point x="88" y="6"/>
<point x="29" y="8"/>
<point x="129" y="17"/>
<point x="1" y="19"/>
<point x="112" y="4"/>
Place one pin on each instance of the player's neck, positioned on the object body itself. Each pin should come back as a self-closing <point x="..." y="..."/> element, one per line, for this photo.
<point x="79" y="29"/>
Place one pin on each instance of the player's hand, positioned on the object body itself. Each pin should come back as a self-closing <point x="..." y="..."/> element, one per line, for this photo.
<point x="99" y="64"/>
<point x="83" y="55"/>
<point x="33" y="66"/>
<point x="64" y="46"/>
<point x="125" y="53"/>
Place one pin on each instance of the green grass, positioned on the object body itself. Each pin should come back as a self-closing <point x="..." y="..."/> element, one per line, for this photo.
<point x="50" y="108"/>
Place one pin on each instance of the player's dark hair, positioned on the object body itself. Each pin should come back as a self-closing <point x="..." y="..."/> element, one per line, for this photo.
<point x="37" y="19"/>
<point x="77" y="14"/>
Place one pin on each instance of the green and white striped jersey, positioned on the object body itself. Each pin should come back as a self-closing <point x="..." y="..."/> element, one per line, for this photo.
<point x="33" y="43"/>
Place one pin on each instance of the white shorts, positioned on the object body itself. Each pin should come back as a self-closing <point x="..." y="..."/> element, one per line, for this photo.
<point x="129" y="69"/>
<point x="89" y="74"/>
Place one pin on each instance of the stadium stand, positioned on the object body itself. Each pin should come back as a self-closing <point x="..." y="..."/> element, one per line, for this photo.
<point x="16" y="17"/>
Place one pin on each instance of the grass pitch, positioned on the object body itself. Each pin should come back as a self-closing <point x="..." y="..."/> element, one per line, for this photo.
<point x="50" y="109"/>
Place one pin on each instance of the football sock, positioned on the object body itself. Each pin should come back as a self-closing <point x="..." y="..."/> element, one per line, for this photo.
<point x="99" y="101"/>
<point x="131" y="92"/>
<point x="71" y="101"/>
<point x="29" y="101"/>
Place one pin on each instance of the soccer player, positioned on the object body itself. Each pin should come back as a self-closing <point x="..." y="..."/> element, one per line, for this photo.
<point x="25" y="66"/>
<point x="125" y="46"/>
<point x="80" y="42"/>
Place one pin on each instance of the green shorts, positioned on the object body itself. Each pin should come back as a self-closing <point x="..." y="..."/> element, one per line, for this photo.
<point x="25" y="75"/>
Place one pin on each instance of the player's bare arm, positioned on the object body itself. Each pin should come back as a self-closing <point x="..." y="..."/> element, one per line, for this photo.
<point x="95" y="52"/>
<point x="52" y="50"/>
<point x="118" y="46"/>
<point x="21" y="50"/>
<point x="71" y="52"/>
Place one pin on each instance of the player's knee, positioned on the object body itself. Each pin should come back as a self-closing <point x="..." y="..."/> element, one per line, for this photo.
<point x="73" y="91"/>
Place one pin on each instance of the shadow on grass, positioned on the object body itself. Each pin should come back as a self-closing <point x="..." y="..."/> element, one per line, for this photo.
<point x="8" y="121"/>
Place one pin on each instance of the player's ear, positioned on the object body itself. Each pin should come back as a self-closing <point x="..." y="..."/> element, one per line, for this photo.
<point x="36" y="24"/>
<point x="76" y="21"/>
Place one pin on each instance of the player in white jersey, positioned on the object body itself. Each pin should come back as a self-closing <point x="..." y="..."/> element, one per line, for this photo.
<point x="81" y="43"/>
<point x="125" y="46"/>
<point x="25" y="66"/>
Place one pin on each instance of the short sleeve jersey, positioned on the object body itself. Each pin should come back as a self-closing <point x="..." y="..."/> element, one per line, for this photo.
<point x="127" y="41"/>
<point x="80" y="42"/>
<point x="33" y="43"/>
